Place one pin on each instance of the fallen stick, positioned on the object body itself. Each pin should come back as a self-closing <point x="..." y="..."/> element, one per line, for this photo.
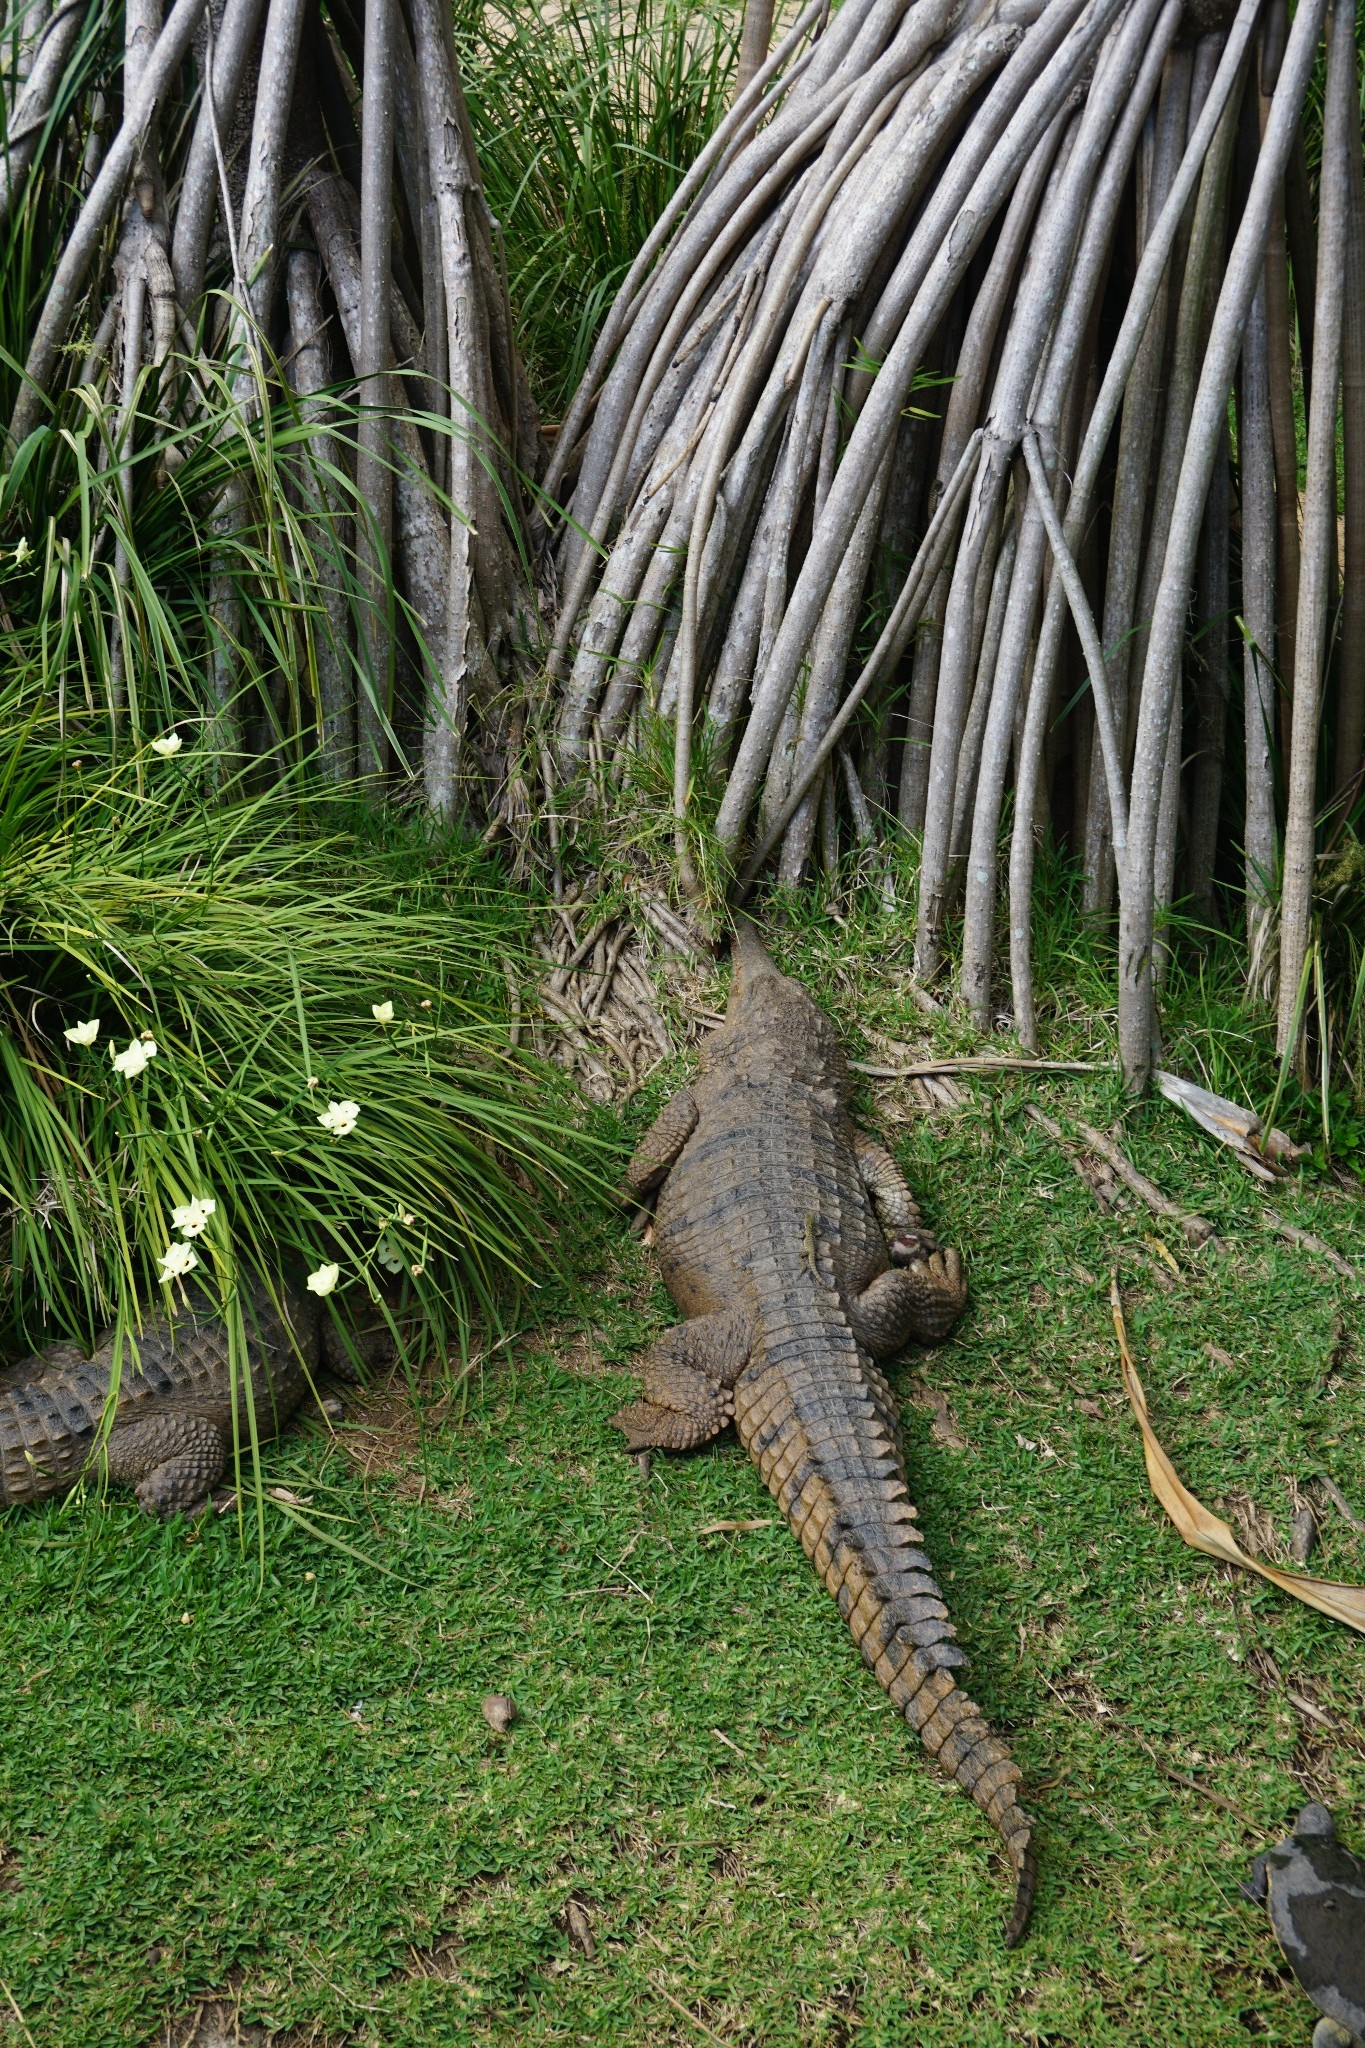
<point x="1107" y="1197"/>
<point x="1196" y="1229"/>
<point x="974" y="1063"/>
<point x="1307" y="1242"/>
<point x="1204" y="1531"/>
<point x="1339" y="1500"/>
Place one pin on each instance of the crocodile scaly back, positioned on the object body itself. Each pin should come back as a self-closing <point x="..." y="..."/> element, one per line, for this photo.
<point x="770" y="1244"/>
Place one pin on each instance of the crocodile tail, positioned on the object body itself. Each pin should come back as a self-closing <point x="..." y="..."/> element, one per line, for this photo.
<point x="918" y="1676"/>
<point x="858" y="1527"/>
<point x="876" y="1570"/>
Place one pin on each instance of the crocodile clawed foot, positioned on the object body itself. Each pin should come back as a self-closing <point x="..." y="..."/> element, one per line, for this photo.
<point x="646" y="1425"/>
<point x="169" y="1491"/>
<point x="940" y="1293"/>
<point x="172" y="1459"/>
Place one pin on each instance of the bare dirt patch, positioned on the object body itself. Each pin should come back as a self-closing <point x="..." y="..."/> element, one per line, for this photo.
<point x="580" y="1353"/>
<point x="383" y="1432"/>
<point x="217" y="2023"/>
<point x="944" y="1428"/>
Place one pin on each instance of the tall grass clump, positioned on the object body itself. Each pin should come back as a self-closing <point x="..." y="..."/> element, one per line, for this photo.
<point x="316" y="1012"/>
<point x="587" y="114"/>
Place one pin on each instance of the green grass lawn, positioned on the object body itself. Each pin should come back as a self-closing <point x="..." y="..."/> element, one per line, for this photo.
<point x="287" y="1787"/>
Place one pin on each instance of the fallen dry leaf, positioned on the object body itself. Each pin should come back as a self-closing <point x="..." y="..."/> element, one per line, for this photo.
<point x="1203" y="1531"/>
<point x="1267" y="1155"/>
<point x="579" y="1929"/>
<point x="735" y="1528"/>
<point x="1163" y="1252"/>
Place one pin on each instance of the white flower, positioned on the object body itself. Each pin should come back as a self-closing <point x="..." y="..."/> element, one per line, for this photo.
<point x="389" y="1256"/>
<point x="382" y="1012"/>
<point x="340" y="1117"/>
<point x="191" y="1217"/>
<point x="21" y="554"/>
<point x="324" y="1280"/>
<point x="177" y="1260"/>
<point x="170" y="744"/>
<point x="132" y="1062"/>
<point x="82" y="1034"/>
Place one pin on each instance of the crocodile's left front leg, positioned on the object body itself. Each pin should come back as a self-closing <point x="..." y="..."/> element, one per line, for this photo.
<point x="689" y="1380"/>
<point x="893" y="1201"/>
<point x="923" y="1295"/>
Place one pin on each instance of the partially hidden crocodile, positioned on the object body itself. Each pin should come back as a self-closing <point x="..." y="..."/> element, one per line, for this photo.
<point x="172" y="1432"/>
<point x="772" y="1226"/>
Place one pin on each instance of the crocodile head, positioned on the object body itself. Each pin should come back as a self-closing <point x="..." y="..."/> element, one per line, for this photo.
<point x="771" y="1018"/>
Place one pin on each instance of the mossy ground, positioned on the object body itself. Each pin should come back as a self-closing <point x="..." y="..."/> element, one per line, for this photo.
<point x="286" y="1785"/>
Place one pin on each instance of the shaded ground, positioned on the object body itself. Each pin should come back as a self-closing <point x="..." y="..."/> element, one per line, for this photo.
<point x="281" y="1795"/>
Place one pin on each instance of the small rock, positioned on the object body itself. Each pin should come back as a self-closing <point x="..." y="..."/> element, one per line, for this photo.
<point x="500" y="1711"/>
<point x="1305" y="1536"/>
<point x="579" y="1929"/>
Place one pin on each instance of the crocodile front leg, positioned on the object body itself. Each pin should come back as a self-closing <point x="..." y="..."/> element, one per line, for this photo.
<point x="171" y="1459"/>
<point x="917" y="1303"/>
<point x="896" y="1207"/>
<point x="659" y="1148"/>
<point x="689" y="1380"/>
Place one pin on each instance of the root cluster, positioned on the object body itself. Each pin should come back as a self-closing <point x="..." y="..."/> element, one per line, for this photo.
<point x="936" y="466"/>
<point x="281" y="216"/>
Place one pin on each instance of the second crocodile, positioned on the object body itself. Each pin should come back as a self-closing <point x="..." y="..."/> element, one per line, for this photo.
<point x="172" y="1432"/>
<point x="772" y="1230"/>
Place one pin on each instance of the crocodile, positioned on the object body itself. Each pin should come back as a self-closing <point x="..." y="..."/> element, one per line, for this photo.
<point x="795" y="1250"/>
<point x="171" y="1436"/>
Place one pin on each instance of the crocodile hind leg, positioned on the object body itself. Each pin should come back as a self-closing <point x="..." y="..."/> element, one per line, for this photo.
<point x="917" y="1303"/>
<point x="689" y="1380"/>
<point x="660" y="1146"/>
<point x="172" y="1460"/>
